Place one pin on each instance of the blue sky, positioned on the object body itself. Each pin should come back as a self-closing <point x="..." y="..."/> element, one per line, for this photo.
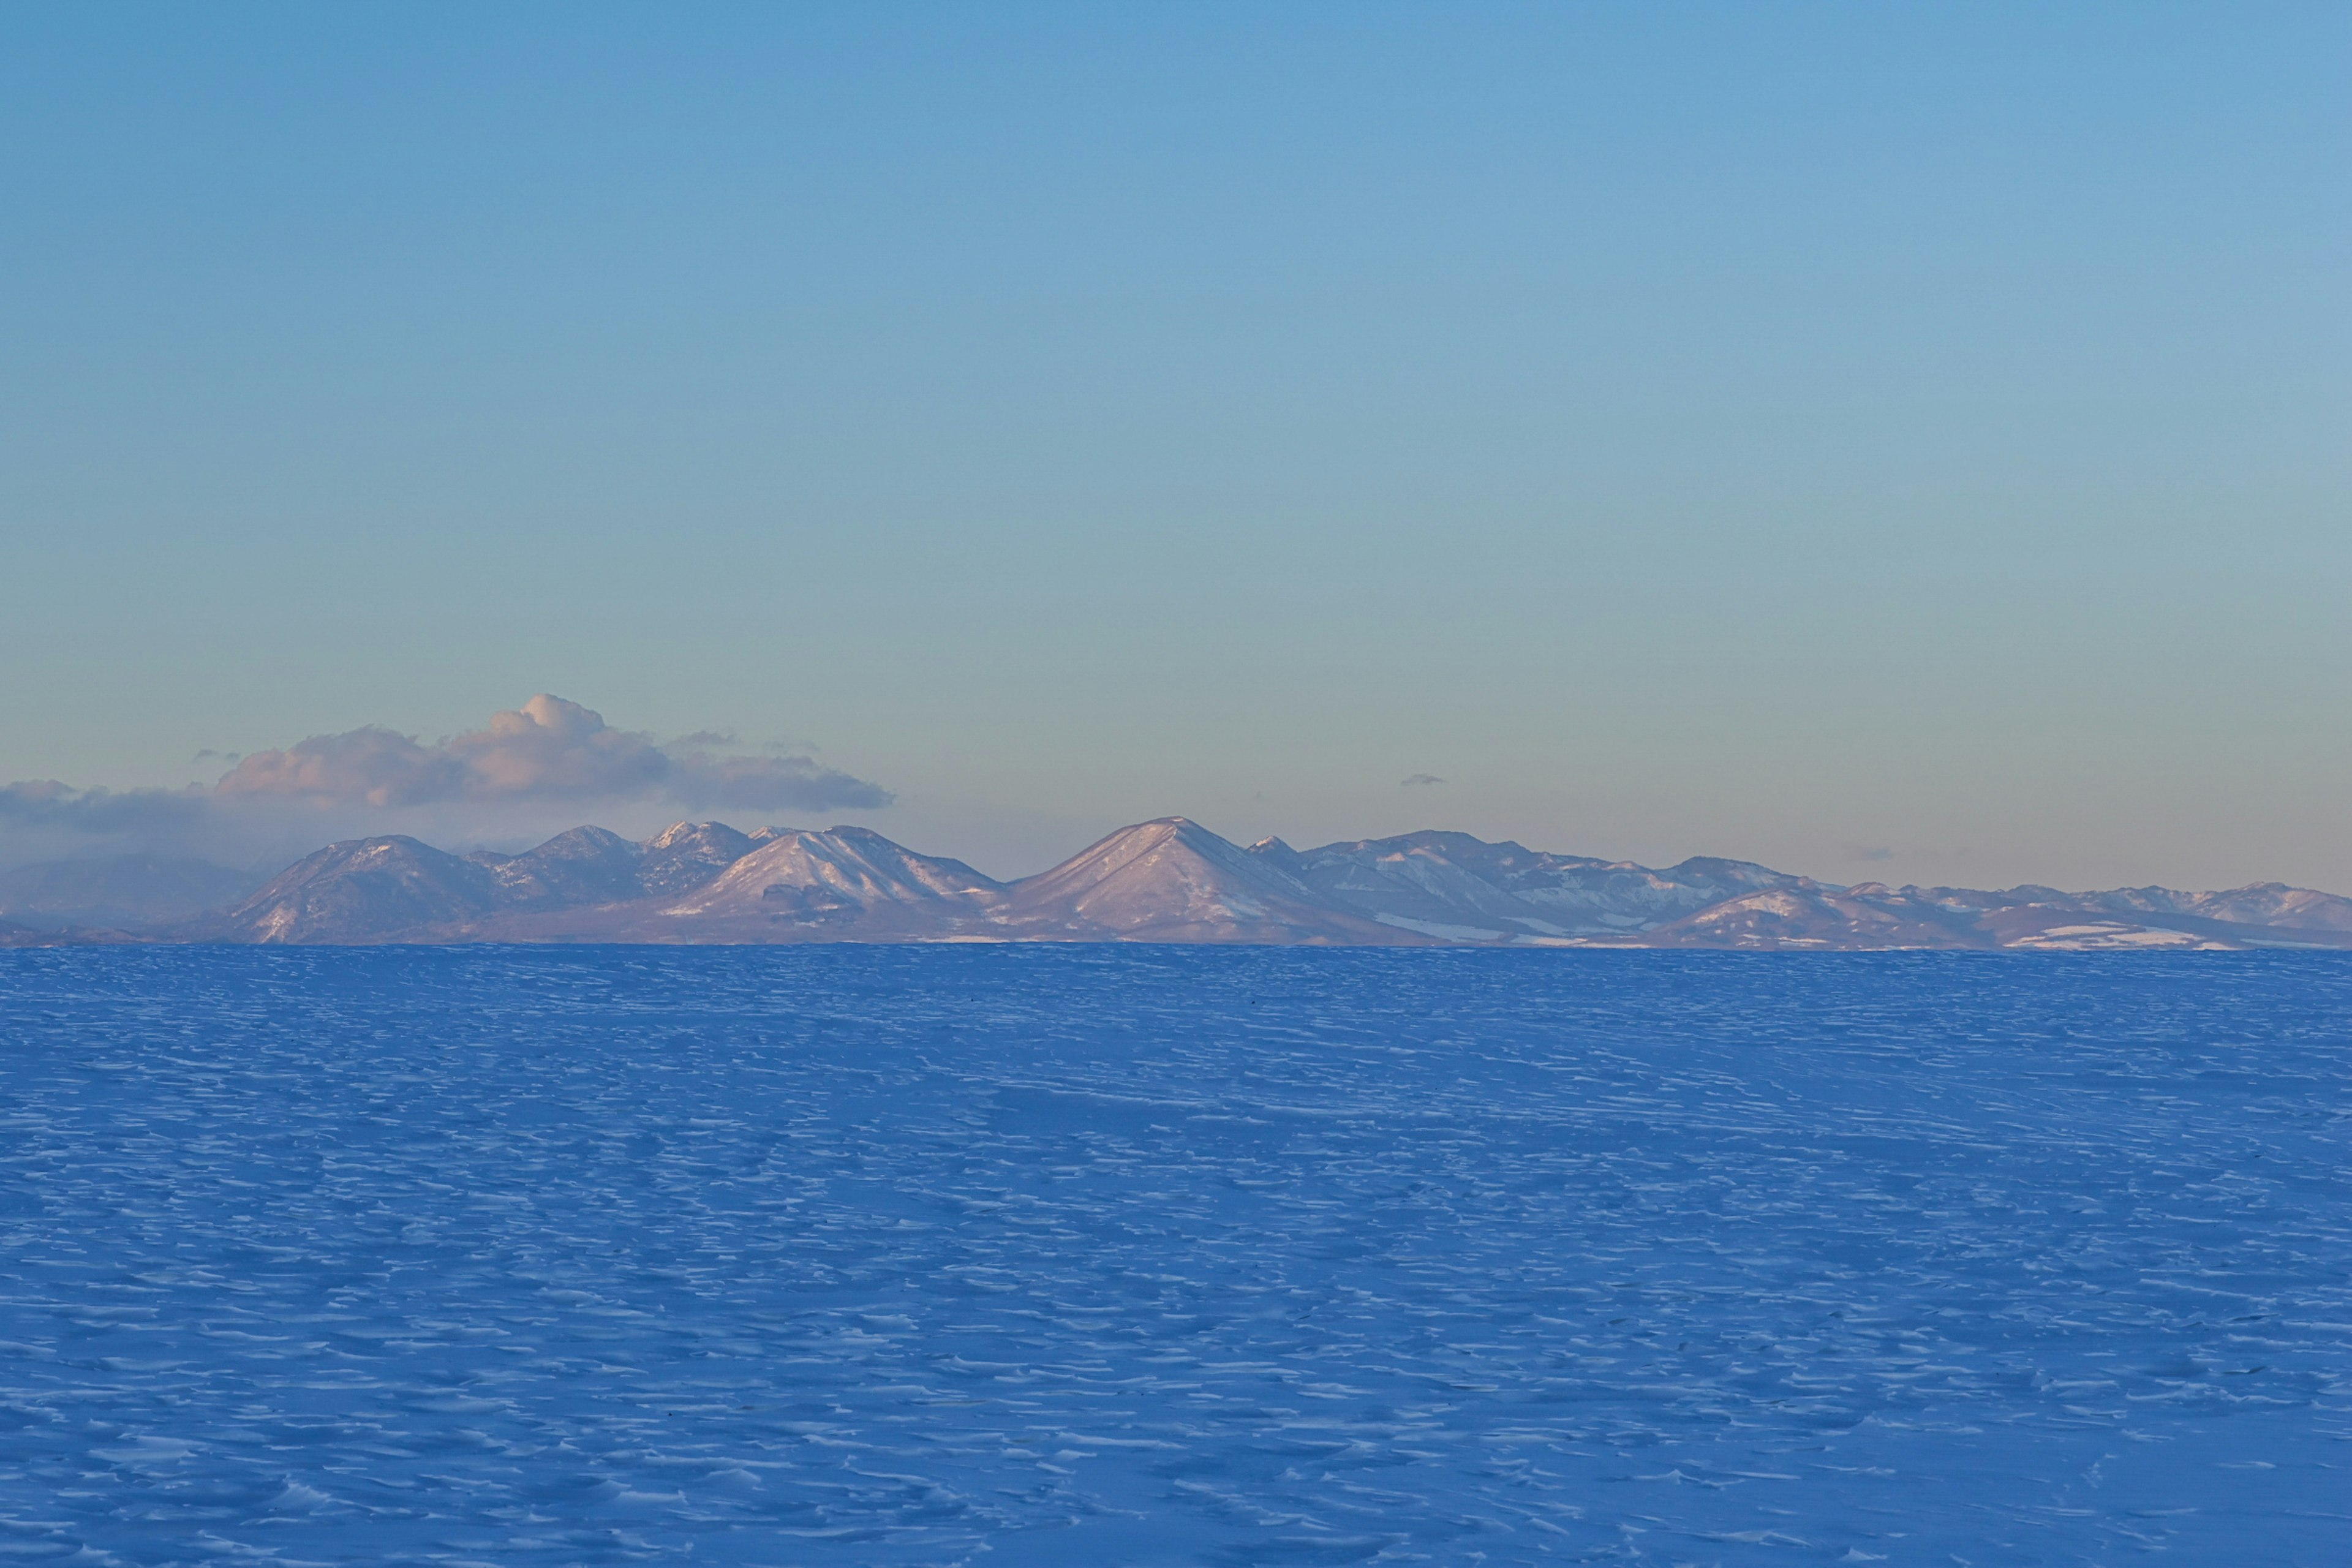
<point x="1903" y="442"/>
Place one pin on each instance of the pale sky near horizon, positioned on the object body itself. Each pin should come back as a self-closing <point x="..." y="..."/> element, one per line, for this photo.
<point x="1902" y="443"/>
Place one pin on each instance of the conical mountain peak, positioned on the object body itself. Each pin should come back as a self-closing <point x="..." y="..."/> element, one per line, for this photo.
<point x="1172" y="879"/>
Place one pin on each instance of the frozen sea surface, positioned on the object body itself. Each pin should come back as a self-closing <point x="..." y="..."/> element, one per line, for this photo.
<point x="1101" y="1256"/>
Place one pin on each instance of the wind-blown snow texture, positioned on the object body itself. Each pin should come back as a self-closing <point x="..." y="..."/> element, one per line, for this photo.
<point x="1091" y="1255"/>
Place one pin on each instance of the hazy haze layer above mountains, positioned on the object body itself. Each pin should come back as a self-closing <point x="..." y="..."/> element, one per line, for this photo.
<point x="1167" y="880"/>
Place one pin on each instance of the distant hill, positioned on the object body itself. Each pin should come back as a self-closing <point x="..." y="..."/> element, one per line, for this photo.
<point x="1477" y="891"/>
<point x="1169" y="880"/>
<point x="117" y="891"/>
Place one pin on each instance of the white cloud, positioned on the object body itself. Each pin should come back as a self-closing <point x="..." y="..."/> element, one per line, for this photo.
<point x="547" y="758"/>
<point x="547" y="749"/>
<point x="45" y="804"/>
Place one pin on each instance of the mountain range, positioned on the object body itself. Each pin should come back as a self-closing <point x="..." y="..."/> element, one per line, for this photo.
<point x="1169" y="880"/>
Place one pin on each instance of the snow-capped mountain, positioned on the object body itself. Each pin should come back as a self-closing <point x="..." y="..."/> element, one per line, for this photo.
<point x="685" y="855"/>
<point x="1874" y="915"/>
<point x="585" y="866"/>
<point x="1174" y="880"/>
<point x="364" y="889"/>
<point x="1462" y="889"/>
<point x="2261" y="904"/>
<point x="397" y="888"/>
<point x="841" y="881"/>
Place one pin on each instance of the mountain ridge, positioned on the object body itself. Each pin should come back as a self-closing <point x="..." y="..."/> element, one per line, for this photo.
<point x="1169" y="880"/>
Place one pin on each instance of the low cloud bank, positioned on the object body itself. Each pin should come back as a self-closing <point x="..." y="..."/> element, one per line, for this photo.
<point x="46" y="805"/>
<point x="546" y="755"/>
<point x="547" y="749"/>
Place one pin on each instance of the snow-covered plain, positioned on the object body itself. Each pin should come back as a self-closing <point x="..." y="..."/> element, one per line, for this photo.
<point x="1136" y="1254"/>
